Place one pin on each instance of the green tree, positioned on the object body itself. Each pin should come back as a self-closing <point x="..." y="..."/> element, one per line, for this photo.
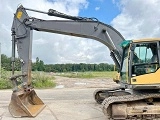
<point x="5" y="62"/>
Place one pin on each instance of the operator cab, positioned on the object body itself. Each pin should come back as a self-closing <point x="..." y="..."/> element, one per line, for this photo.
<point x="140" y="59"/>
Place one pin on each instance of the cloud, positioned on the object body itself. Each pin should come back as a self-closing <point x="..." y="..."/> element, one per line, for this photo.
<point x="53" y="48"/>
<point x="97" y="8"/>
<point x="138" y="19"/>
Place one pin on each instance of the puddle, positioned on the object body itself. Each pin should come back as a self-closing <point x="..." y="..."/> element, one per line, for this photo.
<point x="59" y="86"/>
<point x="80" y="83"/>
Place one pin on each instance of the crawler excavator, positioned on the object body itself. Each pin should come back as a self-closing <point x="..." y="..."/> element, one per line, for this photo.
<point x="137" y="61"/>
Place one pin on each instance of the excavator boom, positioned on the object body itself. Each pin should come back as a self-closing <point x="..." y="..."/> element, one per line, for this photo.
<point x="76" y="26"/>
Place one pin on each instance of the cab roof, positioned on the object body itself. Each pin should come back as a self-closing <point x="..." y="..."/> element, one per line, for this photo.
<point x="126" y="43"/>
<point x="146" y="40"/>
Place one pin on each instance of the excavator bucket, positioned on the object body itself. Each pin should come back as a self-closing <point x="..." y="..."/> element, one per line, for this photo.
<point x="25" y="104"/>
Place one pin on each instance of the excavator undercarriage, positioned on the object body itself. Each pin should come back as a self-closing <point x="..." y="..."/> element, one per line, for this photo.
<point x="120" y="104"/>
<point x="135" y="106"/>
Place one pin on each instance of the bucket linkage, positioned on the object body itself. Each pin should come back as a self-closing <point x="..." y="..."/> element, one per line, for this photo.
<point x="24" y="100"/>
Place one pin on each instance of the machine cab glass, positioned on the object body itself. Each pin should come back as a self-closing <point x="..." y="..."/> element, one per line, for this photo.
<point x="145" y="58"/>
<point x="124" y="69"/>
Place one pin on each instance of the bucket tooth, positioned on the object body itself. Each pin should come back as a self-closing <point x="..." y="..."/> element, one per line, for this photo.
<point x="25" y="104"/>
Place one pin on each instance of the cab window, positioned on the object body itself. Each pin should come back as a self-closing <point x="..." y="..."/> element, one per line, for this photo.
<point x="145" y="58"/>
<point x="124" y="70"/>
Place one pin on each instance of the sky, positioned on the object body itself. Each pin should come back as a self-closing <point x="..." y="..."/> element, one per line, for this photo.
<point x="134" y="19"/>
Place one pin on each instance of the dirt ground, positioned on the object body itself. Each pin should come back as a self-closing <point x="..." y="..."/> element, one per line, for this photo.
<point x="64" y="82"/>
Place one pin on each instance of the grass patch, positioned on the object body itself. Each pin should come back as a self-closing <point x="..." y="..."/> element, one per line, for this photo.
<point x="5" y="83"/>
<point x="39" y="80"/>
<point x="104" y="74"/>
<point x="42" y="80"/>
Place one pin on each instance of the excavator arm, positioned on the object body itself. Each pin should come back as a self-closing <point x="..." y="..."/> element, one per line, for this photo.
<point x="22" y="29"/>
<point x="76" y="26"/>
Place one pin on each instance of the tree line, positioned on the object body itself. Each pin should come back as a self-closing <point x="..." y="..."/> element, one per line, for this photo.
<point x="39" y="65"/>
